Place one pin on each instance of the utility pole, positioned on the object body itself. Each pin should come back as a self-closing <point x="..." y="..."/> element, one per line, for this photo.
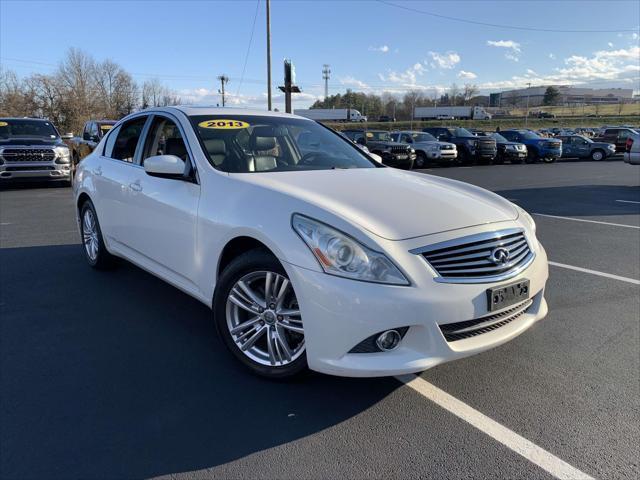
<point x="526" y="118"/>
<point x="269" y="55"/>
<point x="326" y="72"/>
<point x="223" y="79"/>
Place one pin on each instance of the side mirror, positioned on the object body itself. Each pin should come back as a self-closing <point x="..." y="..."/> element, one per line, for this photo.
<point x="168" y="166"/>
<point x="86" y="136"/>
<point x="94" y="138"/>
<point x="361" y="141"/>
<point x="442" y="137"/>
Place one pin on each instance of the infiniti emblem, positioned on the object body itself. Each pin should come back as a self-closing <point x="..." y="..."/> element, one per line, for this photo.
<point x="499" y="256"/>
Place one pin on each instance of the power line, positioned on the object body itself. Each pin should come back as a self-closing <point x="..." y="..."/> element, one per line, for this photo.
<point x="246" y="57"/>
<point x="495" y="25"/>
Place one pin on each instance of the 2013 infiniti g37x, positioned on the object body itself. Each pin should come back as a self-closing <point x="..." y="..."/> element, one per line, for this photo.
<point x="310" y="254"/>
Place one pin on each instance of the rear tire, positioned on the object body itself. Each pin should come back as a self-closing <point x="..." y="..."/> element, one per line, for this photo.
<point x="93" y="245"/>
<point x="278" y="352"/>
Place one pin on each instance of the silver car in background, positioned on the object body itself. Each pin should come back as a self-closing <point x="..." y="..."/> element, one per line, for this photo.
<point x="428" y="148"/>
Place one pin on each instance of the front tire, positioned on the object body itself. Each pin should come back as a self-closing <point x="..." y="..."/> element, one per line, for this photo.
<point x="257" y="315"/>
<point x="597" y="155"/>
<point x="92" y="241"/>
<point x="420" y="161"/>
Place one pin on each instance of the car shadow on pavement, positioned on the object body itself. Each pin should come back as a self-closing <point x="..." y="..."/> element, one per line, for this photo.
<point x="119" y="375"/>
<point x="576" y="201"/>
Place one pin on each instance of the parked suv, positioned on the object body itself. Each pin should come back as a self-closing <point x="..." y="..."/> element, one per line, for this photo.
<point x="380" y="142"/>
<point x="512" y="151"/>
<point x="546" y="149"/>
<point x="31" y="148"/>
<point x="470" y="147"/>
<point x="582" y="147"/>
<point x="616" y="135"/>
<point x="427" y="148"/>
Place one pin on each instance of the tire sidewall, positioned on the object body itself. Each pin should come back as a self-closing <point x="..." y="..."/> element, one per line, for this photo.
<point x="104" y="259"/>
<point x="252" y="261"/>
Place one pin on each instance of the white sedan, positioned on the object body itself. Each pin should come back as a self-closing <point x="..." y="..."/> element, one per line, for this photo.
<point x="310" y="254"/>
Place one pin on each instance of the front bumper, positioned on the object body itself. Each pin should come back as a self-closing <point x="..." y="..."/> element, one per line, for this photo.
<point x="550" y="153"/>
<point x="35" y="171"/>
<point x="442" y="155"/>
<point x="339" y="313"/>
<point x="513" y="154"/>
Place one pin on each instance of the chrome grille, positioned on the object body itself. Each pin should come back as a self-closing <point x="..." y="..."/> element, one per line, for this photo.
<point x="400" y="149"/>
<point x="480" y="258"/>
<point x="28" y="154"/>
<point x="471" y="328"/>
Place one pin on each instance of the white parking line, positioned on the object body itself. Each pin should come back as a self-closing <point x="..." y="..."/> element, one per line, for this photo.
<point x="535" y="454"/>
<point x="596" y="272"/>
<point x="628" y="201"/>
<point x="587" y="221"/>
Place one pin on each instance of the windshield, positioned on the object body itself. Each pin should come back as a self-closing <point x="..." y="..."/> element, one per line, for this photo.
<point x="462" y="132"/>
<point x="423" y="137"/>
<point x="587" y="139"/>
<point x="530" y="135"/>
<point x="379" y="136"/>
<point x="254" y="143"/>
<point x="27" y="128"/>
<point x="499" y="138"/>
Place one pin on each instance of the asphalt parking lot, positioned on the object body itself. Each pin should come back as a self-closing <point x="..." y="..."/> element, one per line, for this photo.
<point x="119" y="375"/>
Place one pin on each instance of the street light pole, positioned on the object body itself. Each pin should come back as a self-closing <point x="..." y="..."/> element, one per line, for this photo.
<point x="269" y="55"/>
<point x="526" y="118"/>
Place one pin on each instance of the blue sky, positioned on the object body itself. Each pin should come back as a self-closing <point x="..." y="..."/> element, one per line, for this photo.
<point x="372" y="46"/>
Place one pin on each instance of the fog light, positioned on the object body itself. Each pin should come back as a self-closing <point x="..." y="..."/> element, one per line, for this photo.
<point x="388" y="340"/>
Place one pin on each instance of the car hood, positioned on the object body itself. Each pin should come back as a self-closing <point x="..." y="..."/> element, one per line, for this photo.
<point x="433" y="142"/>
<point x="390" y="203"/>
<point x="29" y="141"/>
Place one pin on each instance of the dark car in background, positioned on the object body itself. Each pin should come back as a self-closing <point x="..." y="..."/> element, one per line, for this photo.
<point x="538" y="148"/>
<point x="617" y="136"/>
<point x="508" y="151"/>
<point x="32" y="149"/>
<point x="579" y="146"/>
<point x="92" y="133"/>
<point x="379" y="142"/>
<point x="470" y="147"/>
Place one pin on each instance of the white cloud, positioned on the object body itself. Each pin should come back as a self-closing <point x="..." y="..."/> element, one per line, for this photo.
<point x="467" y="75"/>
<point x="610" y="45"/>
<point x="513" y="48"/>
<point x="381" y="49"/>
<point x="446" y="60"/>
<point x="552" y="56"/>
<point x="407" y="78"/>
<point x="620" y="66"/>
<point x="352" y="81"/>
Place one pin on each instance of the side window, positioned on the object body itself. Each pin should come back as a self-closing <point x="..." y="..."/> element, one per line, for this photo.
<point x="407" y="138"/>
<point x="87" y="131"/>
<point x="111" y="141"/>
<point x="164" y="138"/>
<point x="127" y="140"/>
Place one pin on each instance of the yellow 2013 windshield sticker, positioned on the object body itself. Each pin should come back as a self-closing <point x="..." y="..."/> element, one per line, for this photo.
<point x="4" y="124"/>
<point x="223" y="124"/>
<point x="106" y="127"/>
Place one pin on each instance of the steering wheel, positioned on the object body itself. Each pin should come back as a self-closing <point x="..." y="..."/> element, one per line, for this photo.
<point x="306" y="158"/>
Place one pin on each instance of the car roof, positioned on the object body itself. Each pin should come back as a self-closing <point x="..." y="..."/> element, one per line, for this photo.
<point x="27" y="118"/>
<point x="211" y="110"/>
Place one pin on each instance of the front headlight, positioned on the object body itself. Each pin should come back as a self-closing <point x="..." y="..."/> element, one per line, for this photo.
<point x="61" y="151"/>
<point x="341" y="255"/>
<point x="526" y="218"/>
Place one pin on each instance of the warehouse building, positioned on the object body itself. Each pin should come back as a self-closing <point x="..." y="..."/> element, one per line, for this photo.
<point x="568" y="95"/>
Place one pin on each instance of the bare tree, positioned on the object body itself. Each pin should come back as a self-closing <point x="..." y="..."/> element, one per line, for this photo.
<point x="454" y="94"/>
<point x="470" y="91"/>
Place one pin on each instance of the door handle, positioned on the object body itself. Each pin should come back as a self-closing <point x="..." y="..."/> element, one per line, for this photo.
<point x="98" y="171"/>
<point x="136" y="186"/>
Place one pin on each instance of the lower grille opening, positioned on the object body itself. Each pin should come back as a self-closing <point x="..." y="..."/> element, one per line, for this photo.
<point x="478" y="326"/>
<point x="368" y="345"/>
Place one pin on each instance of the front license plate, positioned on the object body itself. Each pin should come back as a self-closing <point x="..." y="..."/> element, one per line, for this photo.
<point x="502" y="297"/>
<point x="401" y="157"/>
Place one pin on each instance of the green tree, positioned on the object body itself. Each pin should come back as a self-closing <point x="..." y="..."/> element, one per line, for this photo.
<point x="551" y="96"/>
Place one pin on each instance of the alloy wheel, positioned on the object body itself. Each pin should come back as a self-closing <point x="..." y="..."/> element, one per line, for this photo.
<point x="263" y="318"/>
<point x="90" y="234"/>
